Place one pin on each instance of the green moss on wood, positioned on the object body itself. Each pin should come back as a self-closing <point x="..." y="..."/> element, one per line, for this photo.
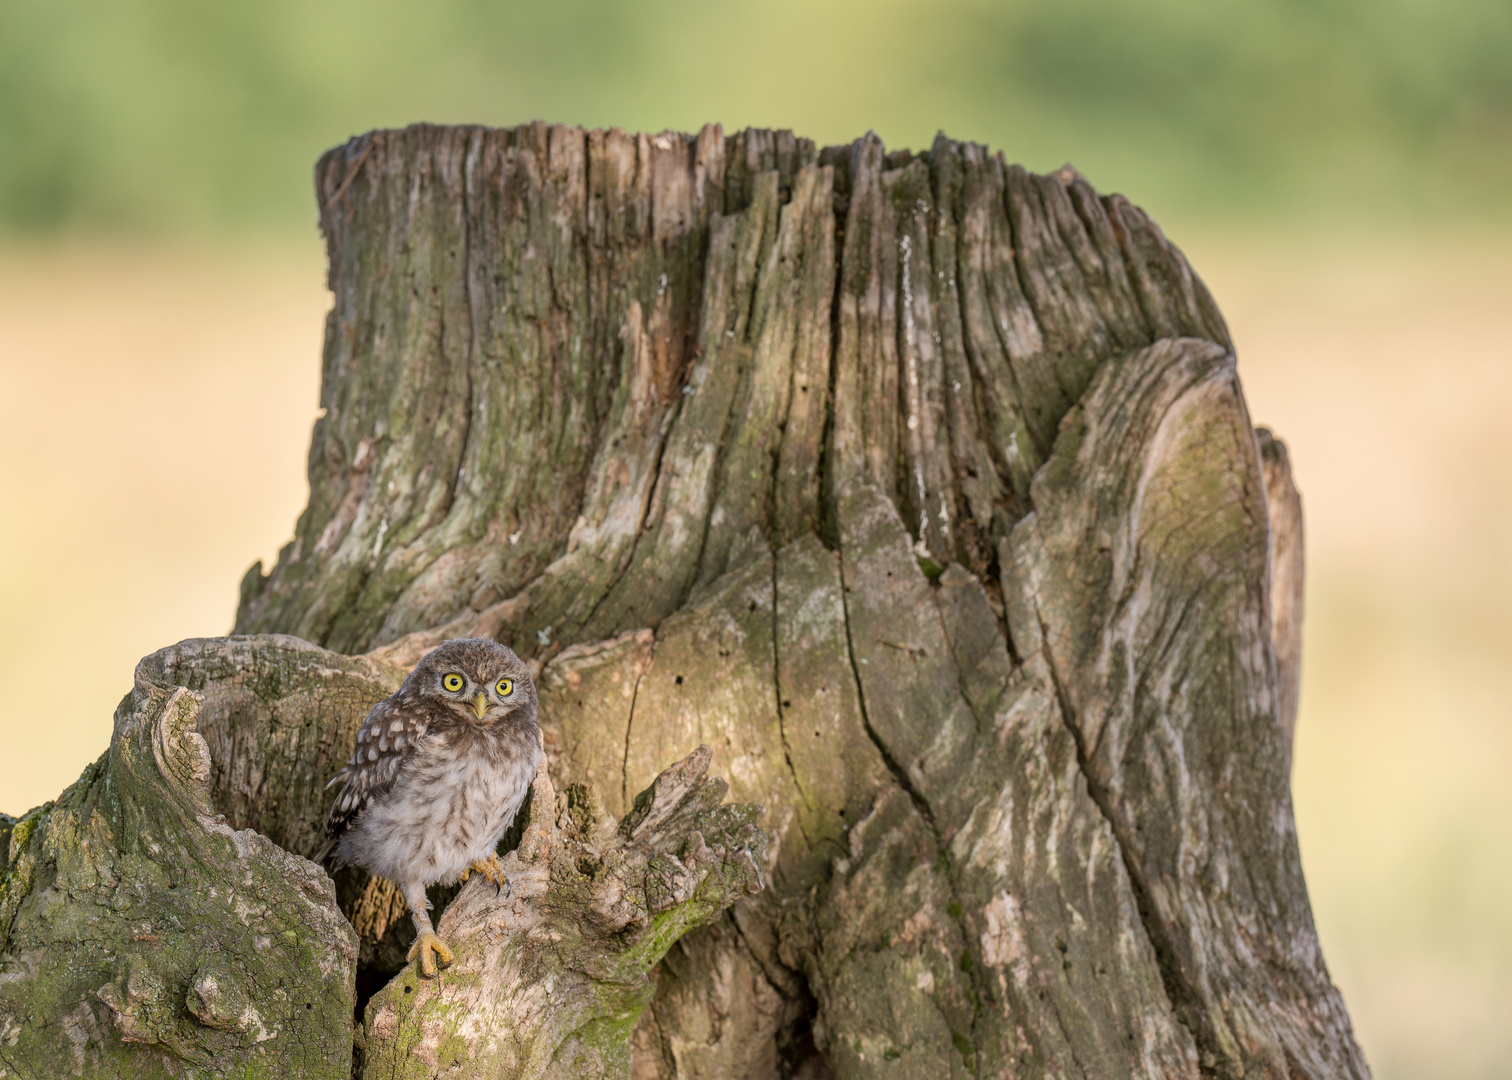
<point x="147" y="938"/>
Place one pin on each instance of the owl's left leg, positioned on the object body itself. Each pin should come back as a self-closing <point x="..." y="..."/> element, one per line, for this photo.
<point x="490" y="868"/>
<point x="428" y="948"/>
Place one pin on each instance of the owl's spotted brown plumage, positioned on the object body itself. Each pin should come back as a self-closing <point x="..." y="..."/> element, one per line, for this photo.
<point x="439" y="772"/>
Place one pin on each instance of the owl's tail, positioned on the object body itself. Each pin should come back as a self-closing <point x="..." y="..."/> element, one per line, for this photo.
<point x="327" y="856"/>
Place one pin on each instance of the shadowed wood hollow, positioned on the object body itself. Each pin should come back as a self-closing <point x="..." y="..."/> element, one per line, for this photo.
<point x="918" y="490"/>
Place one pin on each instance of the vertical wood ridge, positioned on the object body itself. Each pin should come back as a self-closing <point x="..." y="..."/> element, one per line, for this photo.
<point x="968" y="304"/>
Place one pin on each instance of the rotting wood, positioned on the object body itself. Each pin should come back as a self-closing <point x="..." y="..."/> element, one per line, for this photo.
<point x="920" y="488"/>
<point x="150" y="932"/>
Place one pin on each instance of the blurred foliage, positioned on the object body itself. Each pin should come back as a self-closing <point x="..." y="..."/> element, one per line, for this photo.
<point x="188" y="115"/>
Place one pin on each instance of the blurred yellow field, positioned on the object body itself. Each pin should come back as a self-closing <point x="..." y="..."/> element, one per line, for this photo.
<point x="155" y="406"/>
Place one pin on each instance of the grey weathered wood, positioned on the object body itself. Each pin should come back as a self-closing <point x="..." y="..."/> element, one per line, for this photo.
<point x="142" y="935"/>
<point x="921" y="489"/>
<point x="550" y="978"/>
<point x="1286" y="572"/>
<point x="1144" y="566"/>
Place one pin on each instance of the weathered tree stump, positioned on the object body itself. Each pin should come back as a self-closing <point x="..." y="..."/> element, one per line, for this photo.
<point x="919" y="488"/>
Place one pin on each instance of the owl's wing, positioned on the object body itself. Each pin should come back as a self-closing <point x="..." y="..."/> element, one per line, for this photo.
<point x="385" y="741"/>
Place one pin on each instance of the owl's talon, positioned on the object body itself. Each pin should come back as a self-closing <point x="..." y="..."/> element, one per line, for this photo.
<point x="490" y="868"/>
<point x="426" y="944"/>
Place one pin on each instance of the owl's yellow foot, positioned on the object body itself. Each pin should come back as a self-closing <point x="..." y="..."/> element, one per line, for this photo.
<point x="490" y="868"/>
<point x="429" y="948"/>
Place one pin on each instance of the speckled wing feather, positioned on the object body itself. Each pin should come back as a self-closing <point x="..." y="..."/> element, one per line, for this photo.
<point x="385" y="742"/>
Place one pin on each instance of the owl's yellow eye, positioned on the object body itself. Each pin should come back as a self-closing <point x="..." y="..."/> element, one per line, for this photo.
<point x="452" y="682"/>
<point x="505" y="687"/>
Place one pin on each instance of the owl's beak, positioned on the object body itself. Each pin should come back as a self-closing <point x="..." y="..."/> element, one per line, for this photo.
<point x="480" y="705"/>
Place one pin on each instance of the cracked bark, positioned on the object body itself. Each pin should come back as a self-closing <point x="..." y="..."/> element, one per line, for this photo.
<point x="917" y="487"/>
<point x="162" y="919"/>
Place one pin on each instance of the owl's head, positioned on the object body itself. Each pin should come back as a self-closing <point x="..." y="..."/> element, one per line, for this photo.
<point x="479" y="680"/>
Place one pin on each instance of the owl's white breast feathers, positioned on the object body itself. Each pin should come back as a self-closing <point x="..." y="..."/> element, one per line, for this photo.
<point x="432" y="808"/>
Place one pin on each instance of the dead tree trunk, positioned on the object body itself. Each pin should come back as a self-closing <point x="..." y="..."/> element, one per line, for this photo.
<point x="919" y="488"/>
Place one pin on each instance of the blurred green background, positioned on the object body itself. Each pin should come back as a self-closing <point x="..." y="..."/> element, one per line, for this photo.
<point x="1338" y="171"/>
<point x="173" y="115"/>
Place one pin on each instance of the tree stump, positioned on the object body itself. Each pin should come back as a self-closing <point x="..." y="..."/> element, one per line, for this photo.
<point x="919" y="489"/>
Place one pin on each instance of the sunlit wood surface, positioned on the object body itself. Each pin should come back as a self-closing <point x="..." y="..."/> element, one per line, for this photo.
<point x="154" y="412"/>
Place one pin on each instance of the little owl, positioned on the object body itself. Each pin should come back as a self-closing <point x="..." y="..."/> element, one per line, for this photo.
<point x="440" y="770"/>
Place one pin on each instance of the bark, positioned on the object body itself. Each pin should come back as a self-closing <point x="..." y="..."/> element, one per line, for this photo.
<point x="550" y="982"/>
<point x="160" y="918"/>
<point x="921" y="490"/>
<point x="1285" y="505"/>
<point x="144" y="936"/>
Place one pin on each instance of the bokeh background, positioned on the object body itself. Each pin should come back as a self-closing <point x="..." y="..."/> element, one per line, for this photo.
<point x="1338" y="171"/>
